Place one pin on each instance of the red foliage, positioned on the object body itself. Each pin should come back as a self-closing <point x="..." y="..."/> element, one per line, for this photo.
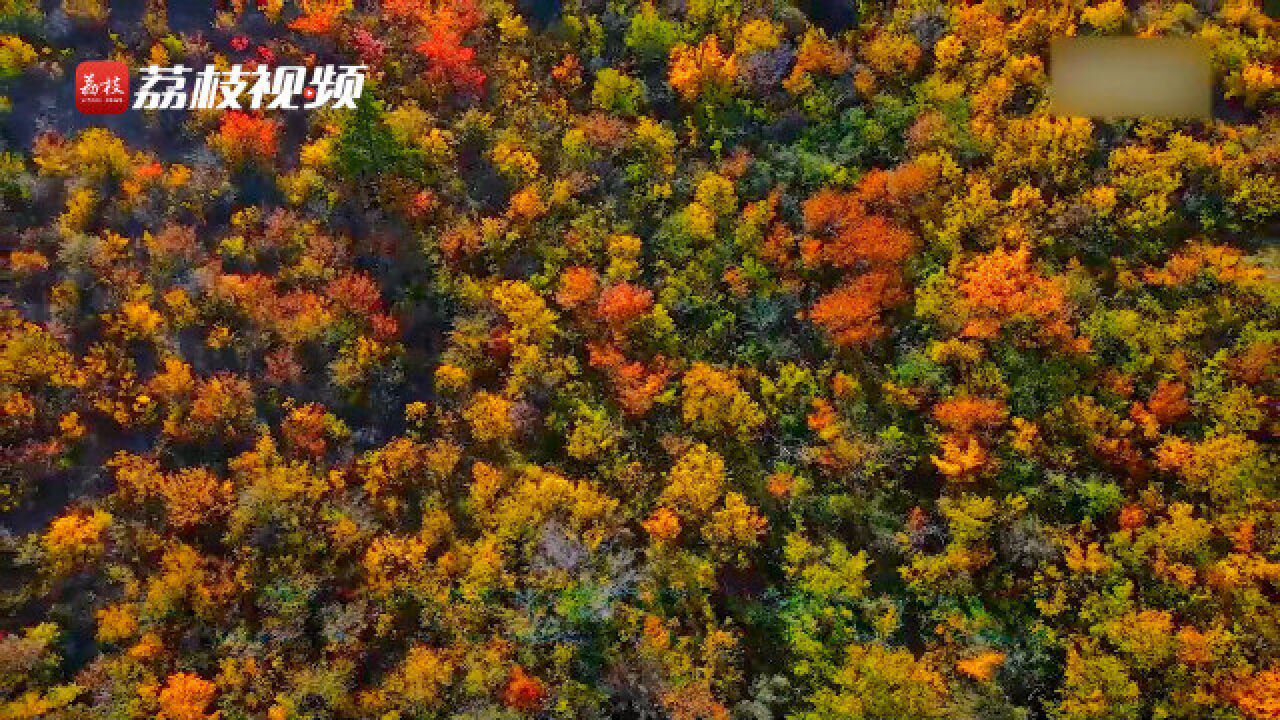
<point x="423" y="203"/>
<point x="282" y="367"/>
<point x="450" y="61"/>
<point x="370" y="49"/>
<point x="356" y="293"/>
<point x="524" y="692"/>
<point x="447" y="25"/>
<point x="385" y="327"/>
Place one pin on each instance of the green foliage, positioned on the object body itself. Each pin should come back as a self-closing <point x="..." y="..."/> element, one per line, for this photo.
<point x="650" y="35"/>
<point x="617" y="93"/>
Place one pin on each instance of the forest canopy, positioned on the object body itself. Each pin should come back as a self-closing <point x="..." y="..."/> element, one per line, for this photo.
<point x="671" y="360"/>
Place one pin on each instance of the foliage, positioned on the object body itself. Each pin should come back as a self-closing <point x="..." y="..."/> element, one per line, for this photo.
<point x="632" y="359"/>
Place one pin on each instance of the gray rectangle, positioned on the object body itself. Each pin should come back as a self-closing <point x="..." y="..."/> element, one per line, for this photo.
<point x="1114" y="77"/>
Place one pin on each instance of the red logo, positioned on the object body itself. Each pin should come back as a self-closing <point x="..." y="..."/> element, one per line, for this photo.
<point x="102" y="87"/>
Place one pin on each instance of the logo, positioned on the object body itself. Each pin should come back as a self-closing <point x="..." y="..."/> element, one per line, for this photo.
<point x="102" y="87"/>
<point x="287" y="87"/>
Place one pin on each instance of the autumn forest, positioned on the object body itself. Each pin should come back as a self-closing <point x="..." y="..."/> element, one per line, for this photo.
<point x="617" y="359"/>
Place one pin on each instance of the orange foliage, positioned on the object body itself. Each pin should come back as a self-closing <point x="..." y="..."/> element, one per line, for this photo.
<point x="982" y="666"/>
<point x="186" y="697"/>
<point x="845" y="236"/>
<point x="962" y="458"/>
<point x="578" y="285"/>
<point x="623" y="303"/>
<point x="894" y="187"/>
<point x="780" y="484"/>
<point x="1256" y="363"/>
<point x="194" y="496"/>
<point x="852" y="312"/>
<point x="1132" y="517"/>
<point x="305" y="430"/>
<point x="1003" y="287"/>
<point x="966" y="414"/>
<point x="244" y="138"/>
<point x="694" y="701"/>
<point x="1220" y="262"/>
<point x="319" y="17"/>
<point x="568" y="71"/>
<point x="1258" y="697"/>
<point x="663" y="525"/>
<point x="702" y="68"/>
<point x="637" y="386"/>
<point x="222" y="406"/>
<point x="1169" y="402"/>
<point x="816" y="55"/>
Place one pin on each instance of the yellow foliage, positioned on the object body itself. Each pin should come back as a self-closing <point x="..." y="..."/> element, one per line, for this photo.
<point x="531" y="320"/>
<point x="716" y="192"/>
<point x="75" y="538"/>
<point x="1227" y="466"/>
<point x="1086" y="558"/>
<point x="696" y="482"/>
<point x="451" y="378"/>
<point x="1107" y="17"/>
<point x="892" y="54"/>
<point x="393" y="561"/>
<point x="489" y="417"/>
<point x="183" y="575"/>
<point x="713" y="401"/>
<point x="880" y="682"/>
<point x="116" y="623"/>
<point x="541" y="495"/>
<point x="624" y="251"/>
<point x="422" y="677"/>
<point x="736" y="525"/>
<point x="757" y="35"/>
<point x="1096" y="687"/>
<point x="1146" y="637"/>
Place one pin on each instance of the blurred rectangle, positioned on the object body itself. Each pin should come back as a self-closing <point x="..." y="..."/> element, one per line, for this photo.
<point x="1115" y="77"/>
